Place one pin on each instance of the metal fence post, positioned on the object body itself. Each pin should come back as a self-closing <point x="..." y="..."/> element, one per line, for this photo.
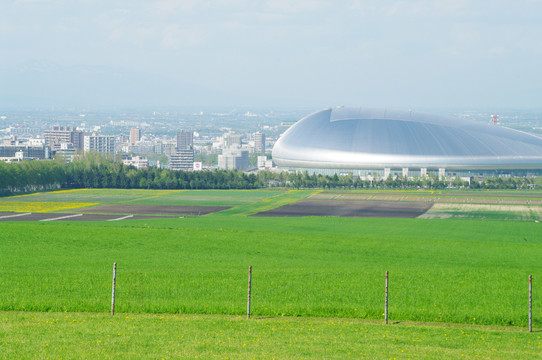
<point x="249" y="288"/>
<point x="113" y="289"/>
<point x="386" y="301"/>
<point x="530" y="303"/>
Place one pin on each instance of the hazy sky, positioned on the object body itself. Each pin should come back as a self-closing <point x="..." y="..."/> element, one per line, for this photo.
<point x="411" y="53"/>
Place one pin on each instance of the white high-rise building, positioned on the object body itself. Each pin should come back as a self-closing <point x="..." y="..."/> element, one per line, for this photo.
<point x="99" y="143"/>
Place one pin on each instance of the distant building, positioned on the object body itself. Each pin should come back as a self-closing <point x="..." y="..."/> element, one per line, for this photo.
<point x="182" y="160"/>
<point x="135" y="136"/>
<point x="99" y="143"/>
<point x="136" y="161"/>
<point x="383" y="143"/>
<point x="60" y="134"/>
<point x="67" y="151"/>
<point x="232" y="140"/>
<point x="18" y="157"/>
<point x="259" y="143"/>
<point x="28" y="152"/>
<point x="24" y="131"/>
<point x="264" y="163"/>
<point x="185" y="140"/>
<point x="233" y="159"/>
<point x="146" y="147"/>
<point x="158" y="147"/>
<point x="169" y="148"/>
<point x="261" y="161"/>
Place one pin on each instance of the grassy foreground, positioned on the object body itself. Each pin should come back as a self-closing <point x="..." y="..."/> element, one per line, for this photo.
<point x="316" y="281"/>
<point x="129" y="336"/>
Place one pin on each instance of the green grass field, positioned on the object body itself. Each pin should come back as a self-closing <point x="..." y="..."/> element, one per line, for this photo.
<point x="463" y="271"/>
<point x="129" y="336"/>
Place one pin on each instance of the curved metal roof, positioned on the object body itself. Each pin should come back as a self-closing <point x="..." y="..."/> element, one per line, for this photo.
<point x="361" y="138"/>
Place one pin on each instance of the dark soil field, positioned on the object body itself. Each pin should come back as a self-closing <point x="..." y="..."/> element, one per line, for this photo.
<point x="350" y="208"/>
<point x="113" y="212"/>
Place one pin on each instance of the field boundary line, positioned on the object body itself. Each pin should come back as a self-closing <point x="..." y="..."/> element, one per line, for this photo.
<point x="62" y="217"/>
<point x="10" y="216"/>
<point x="122" y="218"/>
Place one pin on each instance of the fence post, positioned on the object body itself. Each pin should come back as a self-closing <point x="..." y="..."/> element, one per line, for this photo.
<point x="386" y="301"/>
<point x="530" y="303"/>
<point x="113" y="289"/>
<point x="249" y="286"/>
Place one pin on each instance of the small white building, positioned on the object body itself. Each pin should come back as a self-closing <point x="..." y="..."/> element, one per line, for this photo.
<point x="19" y="156"/>
<point x="137" y="161"/>
<point x="264" y="163"/>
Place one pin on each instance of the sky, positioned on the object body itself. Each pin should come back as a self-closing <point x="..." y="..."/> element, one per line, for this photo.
<point x="405" y="53"/>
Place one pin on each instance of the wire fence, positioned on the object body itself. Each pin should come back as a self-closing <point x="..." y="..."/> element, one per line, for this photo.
<point x="137" y="292"/>
<point x="260" y="292"/>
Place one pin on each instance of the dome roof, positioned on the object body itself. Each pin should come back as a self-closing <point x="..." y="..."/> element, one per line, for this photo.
<point x="361" y="138"/>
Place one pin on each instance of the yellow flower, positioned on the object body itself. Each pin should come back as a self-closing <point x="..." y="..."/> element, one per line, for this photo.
<point x="40" y="206"/>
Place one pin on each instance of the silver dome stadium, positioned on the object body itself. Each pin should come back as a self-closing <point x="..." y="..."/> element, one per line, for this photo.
<point x="364" y="138"/>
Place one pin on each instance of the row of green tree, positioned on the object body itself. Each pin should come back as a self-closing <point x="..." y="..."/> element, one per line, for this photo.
<point x="96" y="171"/>
<point x="29" y="176"/>
<point x="431" y="181"/>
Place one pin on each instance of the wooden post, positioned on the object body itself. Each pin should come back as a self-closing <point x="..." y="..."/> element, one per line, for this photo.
<point x="530" y="303"/>
<point x="249" y="286"/>
<point x="113" y="289"/>
<point x="386" y="301"/>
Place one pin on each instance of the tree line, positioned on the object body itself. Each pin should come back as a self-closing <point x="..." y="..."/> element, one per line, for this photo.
<point x="96" y="171"/>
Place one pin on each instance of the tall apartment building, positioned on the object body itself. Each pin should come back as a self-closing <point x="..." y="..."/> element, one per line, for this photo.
<point x="61" y="134"/>
<point x="259" y="143"/>
<point x="99" y="143"/>
<point x="185" y="140"/>
<point x="183" y="159"/>
<point x="135" y="136"/>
